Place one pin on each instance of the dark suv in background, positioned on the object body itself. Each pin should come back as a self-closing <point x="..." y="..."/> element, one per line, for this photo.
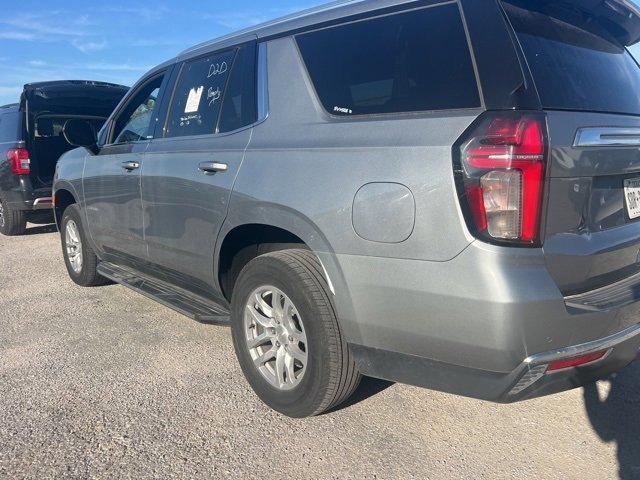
<point x="31" y="141"/>
<point x="439" y="193"/>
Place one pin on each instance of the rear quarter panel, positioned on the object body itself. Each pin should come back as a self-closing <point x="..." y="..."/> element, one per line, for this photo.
<point x="304" y="168"/>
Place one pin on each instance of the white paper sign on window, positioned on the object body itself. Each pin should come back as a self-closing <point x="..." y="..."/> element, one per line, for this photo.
<point x="193" y="100"/>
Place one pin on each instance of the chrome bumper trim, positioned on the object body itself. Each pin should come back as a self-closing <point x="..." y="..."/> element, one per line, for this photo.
<point x="44" y="202"/>
<point x="584" y="348"/>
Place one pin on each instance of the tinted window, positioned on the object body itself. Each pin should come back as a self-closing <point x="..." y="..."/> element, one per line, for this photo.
<point x="134" y="122"/>
<point x="576" y="69"/>
<point x="405" y="62"/>
<point x="239" y="107"/>
<point x="10" y="127"/>
<point x="198" y="96"/>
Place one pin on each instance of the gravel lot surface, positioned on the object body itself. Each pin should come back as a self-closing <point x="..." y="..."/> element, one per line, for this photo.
<point x="103" y="383"/>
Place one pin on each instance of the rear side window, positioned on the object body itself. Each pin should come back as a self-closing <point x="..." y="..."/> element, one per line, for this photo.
<point x="10" y="127"/>
<point x="239" y="107"/>
<point x="198" y="97"/>
<point x="405" y="62"/>
<point x="576" y="68"/>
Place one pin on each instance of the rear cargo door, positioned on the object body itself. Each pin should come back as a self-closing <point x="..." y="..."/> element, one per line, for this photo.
<point x="589" y="85"/>
<point x="48" y="105"/>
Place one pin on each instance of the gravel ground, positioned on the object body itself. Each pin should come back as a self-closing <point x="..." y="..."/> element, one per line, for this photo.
<point x="103" y="383"/>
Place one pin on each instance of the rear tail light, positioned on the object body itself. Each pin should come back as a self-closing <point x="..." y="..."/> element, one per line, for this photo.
<point x="19" y="161"/>
<point x="500" y="176"/>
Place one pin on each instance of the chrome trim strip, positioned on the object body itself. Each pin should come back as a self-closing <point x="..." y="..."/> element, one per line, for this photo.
<point x="607" y="137"/>
<point x="43" y="201"/>
<point x="615" y="295"/>
<point x="263" y="83"/>
<point x="584" y="348"/>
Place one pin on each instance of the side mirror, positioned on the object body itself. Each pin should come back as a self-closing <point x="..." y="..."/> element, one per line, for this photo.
<point x="80" y="133"/>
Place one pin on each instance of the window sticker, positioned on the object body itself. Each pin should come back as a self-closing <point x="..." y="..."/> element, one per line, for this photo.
<point x="193" y="100"/>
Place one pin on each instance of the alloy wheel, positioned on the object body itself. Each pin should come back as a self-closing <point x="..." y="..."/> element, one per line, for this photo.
<point x="73" y="246"/>
<point x="275" y="337"/>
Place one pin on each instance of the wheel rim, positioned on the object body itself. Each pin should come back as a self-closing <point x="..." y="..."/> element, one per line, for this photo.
<point x="73" y="245"/>
<point x="275" y="337"/>
<point x="1" y="215"/>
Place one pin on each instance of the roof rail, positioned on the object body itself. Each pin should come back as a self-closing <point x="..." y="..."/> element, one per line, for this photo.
<point x="272" y="23"/>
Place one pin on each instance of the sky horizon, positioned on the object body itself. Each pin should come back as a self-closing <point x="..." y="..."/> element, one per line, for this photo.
<point x="118" y="42"/>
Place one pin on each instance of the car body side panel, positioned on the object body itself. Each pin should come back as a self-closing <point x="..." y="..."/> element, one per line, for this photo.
<point x="302" y="171"/>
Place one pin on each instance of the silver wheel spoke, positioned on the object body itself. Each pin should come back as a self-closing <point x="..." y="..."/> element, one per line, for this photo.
<point x="258" y="318"/>
<point x="276" y="303"/>
<point x="265" y="357"/>
<point x="258" y="341"/>
<point x="289" y="365"/>
<point x="262" y="304"/>
<point x="298" y="354"/>
<point x="280" y="367"/>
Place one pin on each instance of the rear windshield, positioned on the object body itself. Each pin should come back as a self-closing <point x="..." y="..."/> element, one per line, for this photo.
<point x="576" y="69"/>
<point x="405" y="62"/>
<point x="10" y="127"/>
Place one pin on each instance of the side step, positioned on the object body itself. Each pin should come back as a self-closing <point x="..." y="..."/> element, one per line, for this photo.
<point x="193" y="306"/>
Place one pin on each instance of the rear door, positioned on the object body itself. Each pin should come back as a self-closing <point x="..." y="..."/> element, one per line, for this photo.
<point x="589" y="85"/>
<point x="111" y="178"/>
<point x="190" y="168"/>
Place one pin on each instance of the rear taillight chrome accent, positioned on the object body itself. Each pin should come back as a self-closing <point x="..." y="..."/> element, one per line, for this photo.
<point x="500" y="166"/>
<point x="19" y="161"/>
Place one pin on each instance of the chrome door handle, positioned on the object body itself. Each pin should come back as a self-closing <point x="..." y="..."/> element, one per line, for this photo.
<point x="213" y="167"/>
<point x="130" y="165"/>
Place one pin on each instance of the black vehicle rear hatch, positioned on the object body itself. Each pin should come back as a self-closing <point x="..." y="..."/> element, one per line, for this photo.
<point x="589" y="85"/>
<point x="77" y="97"/>
<point x="48" y="105"/>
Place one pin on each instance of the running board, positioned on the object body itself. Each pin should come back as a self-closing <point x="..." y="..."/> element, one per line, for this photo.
<point x="193" y="306"/>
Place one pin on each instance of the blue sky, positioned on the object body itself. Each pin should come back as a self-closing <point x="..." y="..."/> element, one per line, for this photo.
<point x="114" y="41"/>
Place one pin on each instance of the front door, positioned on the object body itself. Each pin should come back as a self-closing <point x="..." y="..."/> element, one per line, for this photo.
<point x="111" y="179"/>
<point x="189" y="171"/>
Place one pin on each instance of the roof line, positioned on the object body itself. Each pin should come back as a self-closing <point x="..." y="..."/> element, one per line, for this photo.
<point x="272" y="23"/>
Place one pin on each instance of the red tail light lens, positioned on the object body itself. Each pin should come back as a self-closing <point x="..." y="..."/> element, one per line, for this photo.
<point x="500" y="176"/>
<point x="19" y="161"/>
<point x="576" y="361"/>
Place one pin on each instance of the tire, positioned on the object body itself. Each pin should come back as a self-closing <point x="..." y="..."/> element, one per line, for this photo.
<point x="83" y="273"/>
<point x="329" y="375"/>
<point x="12" y="222"/>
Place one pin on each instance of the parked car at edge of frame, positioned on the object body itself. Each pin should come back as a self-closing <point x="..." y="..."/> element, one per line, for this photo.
<point x="31" y="141"/>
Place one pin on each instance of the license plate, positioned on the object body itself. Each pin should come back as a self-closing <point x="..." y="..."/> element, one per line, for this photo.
<point x="632" y="196"/>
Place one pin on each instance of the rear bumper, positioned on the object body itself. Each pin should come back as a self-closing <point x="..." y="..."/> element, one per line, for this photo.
<point x="22" y="196"/>
<point x="532" y="378"/>
<point x="477" y="324"/>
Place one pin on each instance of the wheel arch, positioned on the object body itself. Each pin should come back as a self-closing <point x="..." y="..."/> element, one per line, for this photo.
<point x="281" y="227"/>
<point x="63" y="196"/>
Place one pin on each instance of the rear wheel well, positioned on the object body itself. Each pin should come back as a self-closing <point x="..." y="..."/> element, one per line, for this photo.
<point x="246" y="242"/>
<point x="63" y="198"/>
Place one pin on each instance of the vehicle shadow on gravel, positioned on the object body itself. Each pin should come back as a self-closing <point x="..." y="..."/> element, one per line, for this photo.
<point x="368" y="388"/>
<point x="616" y="418"/>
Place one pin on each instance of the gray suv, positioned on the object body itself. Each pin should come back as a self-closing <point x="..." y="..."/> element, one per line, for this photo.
<point x="445" y="194"/>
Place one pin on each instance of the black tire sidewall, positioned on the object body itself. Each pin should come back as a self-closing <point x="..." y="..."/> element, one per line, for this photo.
<point x="14" y="221"/>
<point x="304" y="399"/>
